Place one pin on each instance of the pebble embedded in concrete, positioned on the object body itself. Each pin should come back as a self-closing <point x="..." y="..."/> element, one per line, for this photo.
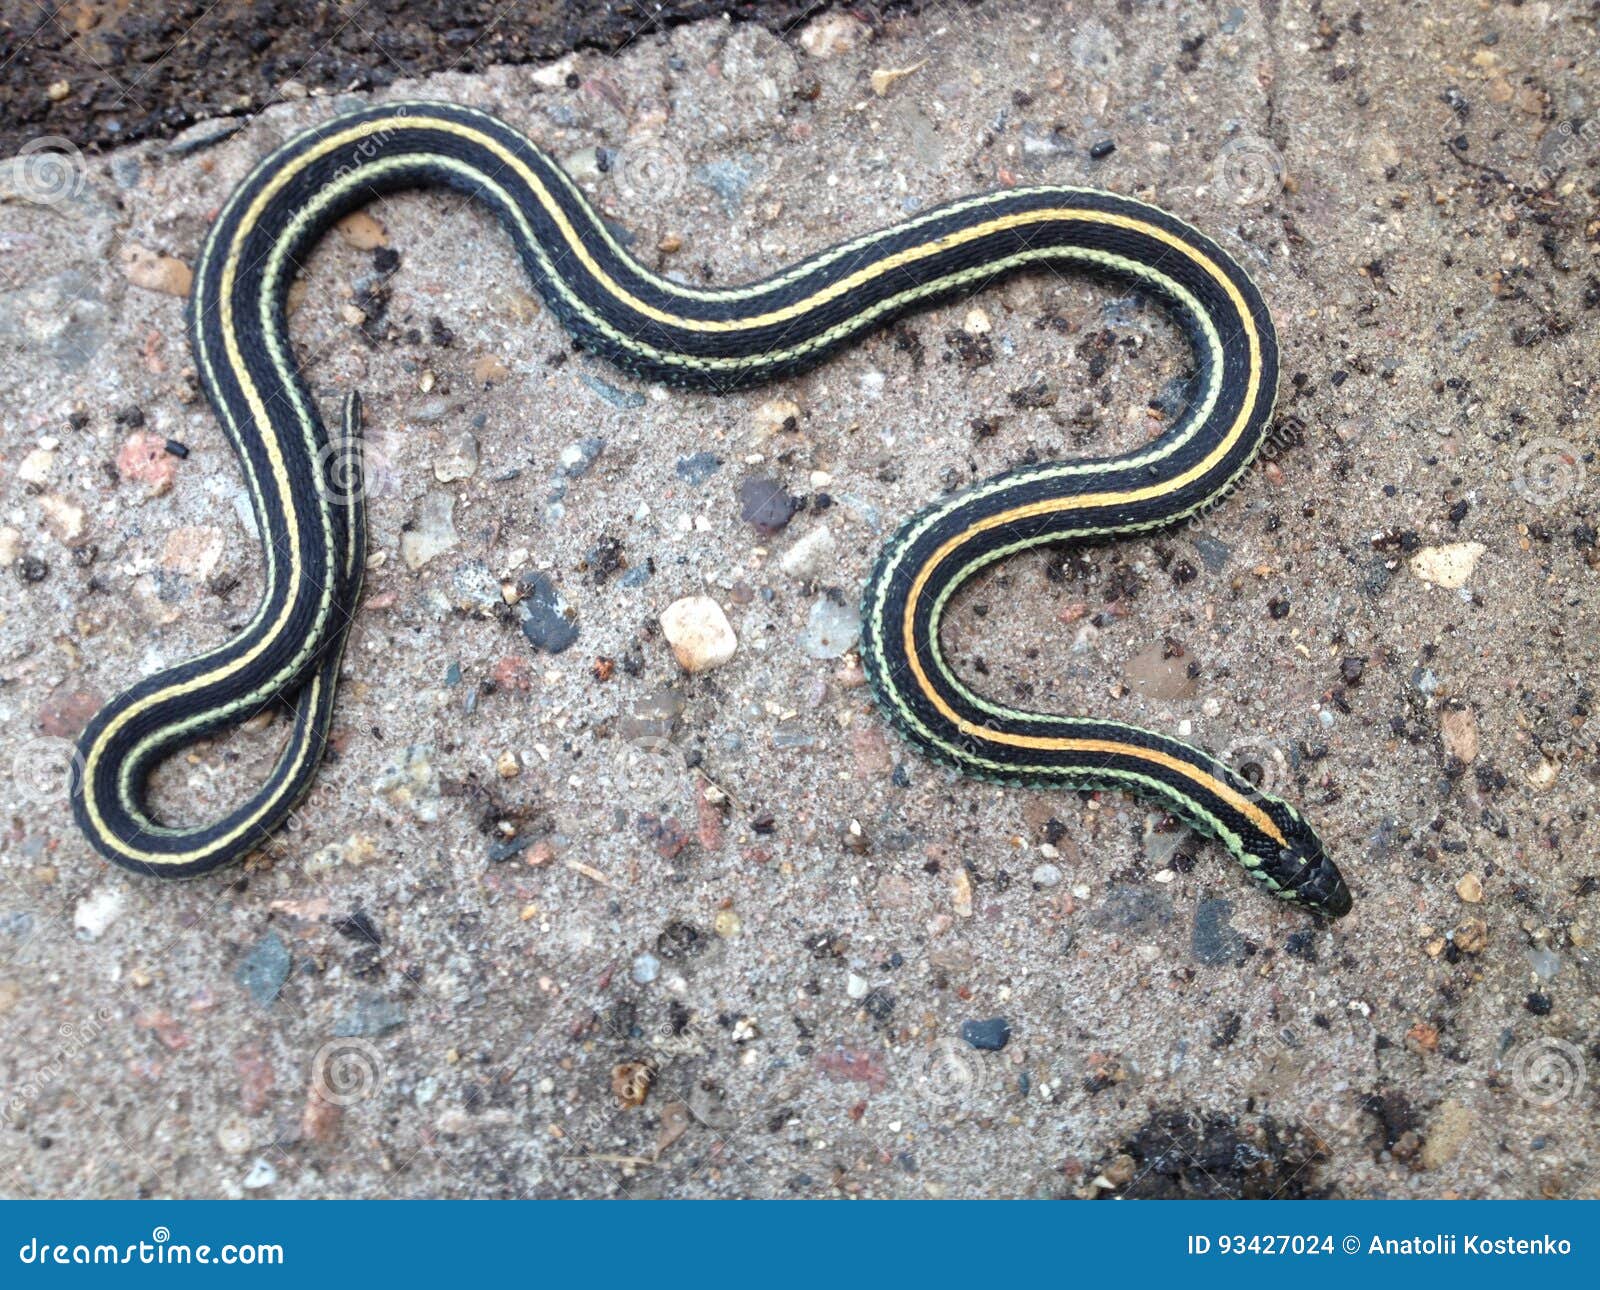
<point x="699" y="632"/>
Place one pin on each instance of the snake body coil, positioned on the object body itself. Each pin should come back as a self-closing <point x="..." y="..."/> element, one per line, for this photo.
<point x="306" y="494"/>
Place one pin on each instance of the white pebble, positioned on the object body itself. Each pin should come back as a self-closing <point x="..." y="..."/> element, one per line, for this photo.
<point x="1447" y="566"/>
<point x="458" y="459"/>
<point x="261" y="1175"/>
<point x="36" y="466"/>
<point x="699" y="633"/>
<point x="96" y="912"/>
<point x="234" y="1136"/>
<point x="810" y="555"/>
<point x="833" y="34"/>
<point x="831" y="629"/>
<point x="774" y="415"/>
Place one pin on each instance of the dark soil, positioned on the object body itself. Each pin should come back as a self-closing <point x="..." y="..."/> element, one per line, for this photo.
<point x="146" y="70"/>
<point x="1180" y="1155"/>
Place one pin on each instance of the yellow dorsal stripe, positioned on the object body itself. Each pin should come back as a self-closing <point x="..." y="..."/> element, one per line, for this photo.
<point x="1058" y="505"/>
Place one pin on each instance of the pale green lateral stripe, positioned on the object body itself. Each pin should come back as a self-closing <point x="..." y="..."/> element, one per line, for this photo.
<point x="375" y="170"/>
<point x="845" y="250"/>
<point x="609" y="300"/>
<point x="1085" y="777"/>
<point x="1195" y="417"/>
<point x="967" y="571"/>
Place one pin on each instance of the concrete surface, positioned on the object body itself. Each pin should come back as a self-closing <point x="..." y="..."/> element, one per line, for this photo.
<point x="734" y="880"/>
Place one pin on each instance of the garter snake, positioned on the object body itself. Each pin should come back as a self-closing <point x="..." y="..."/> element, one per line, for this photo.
<point x="304" y="481"/>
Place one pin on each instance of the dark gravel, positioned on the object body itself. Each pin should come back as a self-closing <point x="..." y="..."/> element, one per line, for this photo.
<point x="150" y="70"/>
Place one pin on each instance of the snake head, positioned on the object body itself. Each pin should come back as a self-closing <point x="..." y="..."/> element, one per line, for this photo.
<point x="1301" y="869"/>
